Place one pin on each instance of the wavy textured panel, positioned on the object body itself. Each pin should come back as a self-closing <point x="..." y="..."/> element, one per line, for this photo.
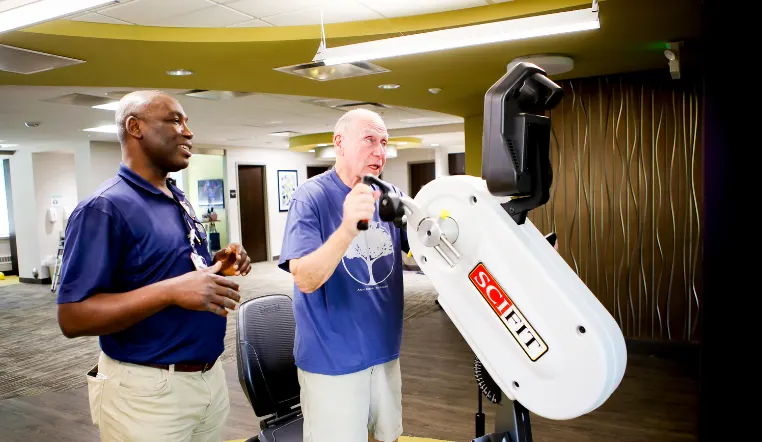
<point x="626" y="198"/>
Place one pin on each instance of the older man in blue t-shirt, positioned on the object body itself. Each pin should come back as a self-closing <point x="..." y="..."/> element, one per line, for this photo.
<point x="348" y="295"/>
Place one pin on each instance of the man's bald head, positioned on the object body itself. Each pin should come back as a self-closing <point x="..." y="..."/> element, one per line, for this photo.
<point x="360" y="139"/>
<point x="349" y="120"/>
<point x="152" y="127"/>
<point x="135" y="104"/>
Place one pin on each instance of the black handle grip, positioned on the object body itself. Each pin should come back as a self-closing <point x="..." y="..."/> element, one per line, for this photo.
<point x="370" y="180"/>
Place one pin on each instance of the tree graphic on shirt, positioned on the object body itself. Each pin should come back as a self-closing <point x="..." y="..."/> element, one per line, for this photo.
<point x="369" y="246"/>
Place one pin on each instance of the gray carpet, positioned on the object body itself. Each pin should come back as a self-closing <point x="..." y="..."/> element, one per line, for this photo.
<point x="36" y="358"/>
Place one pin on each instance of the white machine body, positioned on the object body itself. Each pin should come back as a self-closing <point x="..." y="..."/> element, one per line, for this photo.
<point x="542" y="335"/>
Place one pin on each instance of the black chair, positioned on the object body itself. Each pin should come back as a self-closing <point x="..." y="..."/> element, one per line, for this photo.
<point x="266" y="369"/>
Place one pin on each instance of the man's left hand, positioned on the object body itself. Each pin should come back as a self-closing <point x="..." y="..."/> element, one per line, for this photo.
<point x="235" y="260"/>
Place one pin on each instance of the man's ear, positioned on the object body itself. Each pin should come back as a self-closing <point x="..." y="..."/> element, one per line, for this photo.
<point x="337" y="139"/>
<point x="132" y="125"/>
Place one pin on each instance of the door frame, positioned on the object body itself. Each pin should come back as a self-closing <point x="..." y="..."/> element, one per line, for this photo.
<point x="409" y="175"/>
<point x="266" y="199"/>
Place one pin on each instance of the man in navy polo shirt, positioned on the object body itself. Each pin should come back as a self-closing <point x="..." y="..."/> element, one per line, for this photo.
<point x="136" y="272"/>
<point x="348" y="293"/>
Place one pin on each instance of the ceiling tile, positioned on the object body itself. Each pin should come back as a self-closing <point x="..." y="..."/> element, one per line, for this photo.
<point x="141" y="12"/>
<point x="264" y="8"/>
<point x="256" y="23"/>
<point x="10" y="4"/>
<point x="98" y="18"/>
<point x="402" y="8"/>
<point x="335" y="12"/>
<point x="215" y="16"/>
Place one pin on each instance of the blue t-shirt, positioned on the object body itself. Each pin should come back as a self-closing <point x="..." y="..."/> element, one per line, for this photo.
<point x="126" y="235"/>
<point x="354" y="320"/>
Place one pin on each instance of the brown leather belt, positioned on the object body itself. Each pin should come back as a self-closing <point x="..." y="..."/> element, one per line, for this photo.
<point x="185" y="367"/>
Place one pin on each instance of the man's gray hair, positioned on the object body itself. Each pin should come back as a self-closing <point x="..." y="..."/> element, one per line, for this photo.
<point x="133" y="104"/>
<point x="346" y="120"/>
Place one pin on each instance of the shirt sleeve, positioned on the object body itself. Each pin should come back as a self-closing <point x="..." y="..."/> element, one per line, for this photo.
<point x="302" y="235"/>
<point x="92" y="253"/>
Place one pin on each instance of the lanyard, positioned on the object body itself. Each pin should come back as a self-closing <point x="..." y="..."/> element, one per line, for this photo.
<point x="194" y="237"/>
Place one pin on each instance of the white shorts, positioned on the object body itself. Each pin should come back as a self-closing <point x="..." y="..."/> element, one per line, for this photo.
<point x="347" y="408"/>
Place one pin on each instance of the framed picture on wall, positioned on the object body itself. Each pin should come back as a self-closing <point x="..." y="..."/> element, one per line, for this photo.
<point x="210" y="193"/>
<point x="287" y="183"/>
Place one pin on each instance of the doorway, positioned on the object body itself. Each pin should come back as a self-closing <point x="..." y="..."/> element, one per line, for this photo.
<point x="251" y="194"/>
<point x="316" y="170"/>
<point x="420" y="175"/>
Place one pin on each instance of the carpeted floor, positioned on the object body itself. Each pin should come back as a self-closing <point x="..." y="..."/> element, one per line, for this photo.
<point x="36" y="358"/>
<point x="401" y="439"/>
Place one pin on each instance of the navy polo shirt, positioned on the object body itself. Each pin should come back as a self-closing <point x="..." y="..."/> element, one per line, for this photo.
<point x="126" y="235"/>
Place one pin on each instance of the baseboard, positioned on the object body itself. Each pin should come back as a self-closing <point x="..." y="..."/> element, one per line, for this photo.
<point x="35" y="281"/>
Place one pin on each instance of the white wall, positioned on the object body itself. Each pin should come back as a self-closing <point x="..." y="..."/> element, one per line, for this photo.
<point x="105" y="159"/>
<point x="54" y="174"/>
<point x="396" y="169"/>
<point x="273" y="160"/>
<point x="24" y="212"/>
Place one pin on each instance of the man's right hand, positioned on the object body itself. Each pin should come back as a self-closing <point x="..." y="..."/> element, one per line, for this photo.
<point x="204" y="290"/>
<point x="359" y="205"/>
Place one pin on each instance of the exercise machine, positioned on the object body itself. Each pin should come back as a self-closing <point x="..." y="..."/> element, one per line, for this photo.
<point x="543" y="342"/>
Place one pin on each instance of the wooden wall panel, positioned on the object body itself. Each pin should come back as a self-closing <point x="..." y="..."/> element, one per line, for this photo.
<point x="626" y="198"/>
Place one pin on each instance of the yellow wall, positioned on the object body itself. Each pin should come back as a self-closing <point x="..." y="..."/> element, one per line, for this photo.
<point x="472" y="126"/>
<point x="205" y="167"/>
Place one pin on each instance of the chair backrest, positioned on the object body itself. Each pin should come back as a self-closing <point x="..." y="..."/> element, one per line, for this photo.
<point x="266" y="369"/>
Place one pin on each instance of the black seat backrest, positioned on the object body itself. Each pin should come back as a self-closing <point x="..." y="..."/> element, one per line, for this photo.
<point x="266" y="369"/>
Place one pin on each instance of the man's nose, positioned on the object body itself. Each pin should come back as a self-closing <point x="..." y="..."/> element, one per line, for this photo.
<point x="187" y="132"/>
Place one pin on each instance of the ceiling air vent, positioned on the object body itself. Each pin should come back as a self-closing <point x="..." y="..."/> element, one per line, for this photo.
<point x="318" y="71"/>
<point x="345" y="105"/>
<point x="24" y="61"/>
<point x="215" y="95"/>
<point x="81" y="100"/>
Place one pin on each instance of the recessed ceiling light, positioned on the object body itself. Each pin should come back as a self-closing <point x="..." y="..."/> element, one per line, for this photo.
<point x="3" y="146"/>
<point x="435" y="90"/>
<point x="324" y="144"/>
<point x="434" y="144"/>
<point x="108" y="106"/>
<point x="312" y="150"/>
<point x="108" y="129"/>
<point x="179" y="72"/>
<point x="388" y="86"/>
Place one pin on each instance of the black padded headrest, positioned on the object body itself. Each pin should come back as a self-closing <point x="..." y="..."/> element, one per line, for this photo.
<point x="266" y="369"/>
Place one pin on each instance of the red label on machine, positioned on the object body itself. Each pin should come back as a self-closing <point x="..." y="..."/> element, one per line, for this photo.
<point x="506" y="310"/>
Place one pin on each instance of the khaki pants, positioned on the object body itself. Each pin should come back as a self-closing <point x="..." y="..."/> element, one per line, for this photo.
<point x="135" y="403"/>
<point x="347" y="408"/>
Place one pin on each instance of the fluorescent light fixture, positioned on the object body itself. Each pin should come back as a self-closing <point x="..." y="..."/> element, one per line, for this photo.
<point x="285" y="133"/>
<point x="324" y="144"/>
<point x="508" y="30"/>
<point x="108" y="129"/>
<point x="108" y="106"/>
<point x="434" y="144"/>
<point x="179" y="72"/>
<point x="3" y="146"/>
<point x="44" y="10"/>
